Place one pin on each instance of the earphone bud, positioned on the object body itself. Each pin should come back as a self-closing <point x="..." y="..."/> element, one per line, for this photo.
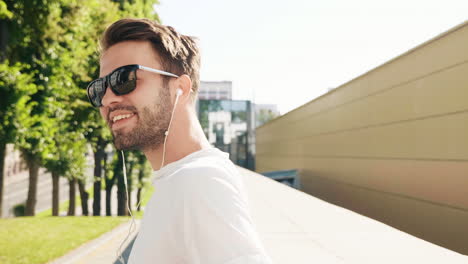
<point x="178" y="92"/>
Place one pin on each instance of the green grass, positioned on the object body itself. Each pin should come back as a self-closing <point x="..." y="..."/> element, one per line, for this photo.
<point x="36" y="240"/>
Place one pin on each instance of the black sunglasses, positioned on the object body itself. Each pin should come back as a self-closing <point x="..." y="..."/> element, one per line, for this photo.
<point x="121" y="81"/>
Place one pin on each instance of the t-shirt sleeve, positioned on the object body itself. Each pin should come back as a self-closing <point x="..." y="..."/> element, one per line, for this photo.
<point x="217" y="227"/>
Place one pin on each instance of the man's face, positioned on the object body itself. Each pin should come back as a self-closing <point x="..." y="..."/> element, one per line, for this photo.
<point x="137" y="120"/>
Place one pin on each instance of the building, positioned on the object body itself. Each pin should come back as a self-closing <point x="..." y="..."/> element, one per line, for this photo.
<point x="265" y="113"/>
<point x="228" y="125"/>
<point x="215" y="90"/>
<point x="390" y="144"/>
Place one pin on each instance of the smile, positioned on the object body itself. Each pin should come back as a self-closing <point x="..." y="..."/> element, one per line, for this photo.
<point x="120" y="117"/>
<point x="121" y="121"/>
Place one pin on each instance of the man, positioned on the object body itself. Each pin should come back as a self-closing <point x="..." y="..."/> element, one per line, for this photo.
<point x="147" y="92"/>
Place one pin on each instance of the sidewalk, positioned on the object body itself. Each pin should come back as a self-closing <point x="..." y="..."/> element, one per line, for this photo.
<point x="103" y="249"/>
<point x="298" y="228"/>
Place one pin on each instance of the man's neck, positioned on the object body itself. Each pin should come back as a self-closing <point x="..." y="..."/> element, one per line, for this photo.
<point x="185" y="137"/>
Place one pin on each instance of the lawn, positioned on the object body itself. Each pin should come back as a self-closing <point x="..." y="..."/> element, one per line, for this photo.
<point x="39" y="239"/>
<point x="36" y="240"/>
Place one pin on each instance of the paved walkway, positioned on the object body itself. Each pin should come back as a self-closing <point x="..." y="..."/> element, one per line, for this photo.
<point x="103" y="249"/>
<point x="298" y="228"/>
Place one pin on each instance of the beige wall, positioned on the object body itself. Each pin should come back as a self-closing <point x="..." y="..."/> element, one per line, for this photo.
<point x="391" y="144"/>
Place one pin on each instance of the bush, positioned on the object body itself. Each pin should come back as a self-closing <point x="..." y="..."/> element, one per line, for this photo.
<point x="19" y="210"/>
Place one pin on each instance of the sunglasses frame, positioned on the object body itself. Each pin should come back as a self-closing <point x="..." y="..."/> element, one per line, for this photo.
<point x="106" y="82"/>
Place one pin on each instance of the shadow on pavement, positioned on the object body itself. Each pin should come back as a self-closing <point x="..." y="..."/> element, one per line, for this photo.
<point x="126" y="252"/>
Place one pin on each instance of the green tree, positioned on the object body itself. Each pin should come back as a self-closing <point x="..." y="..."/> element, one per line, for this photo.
<point x="75" y="27"/>
<point x="53" y="38"/>
<point x="57" y="40"/>
<point x="15" y="90"/>
<point x="137" y="8"/>
<point x="28" y="44"/>
<point x="4" y="13"/>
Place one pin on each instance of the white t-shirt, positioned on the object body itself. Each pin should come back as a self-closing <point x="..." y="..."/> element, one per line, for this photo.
<point x="198" y="214"/>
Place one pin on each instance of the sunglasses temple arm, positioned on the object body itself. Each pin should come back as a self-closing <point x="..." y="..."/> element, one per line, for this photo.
<point x="157" y="71"/>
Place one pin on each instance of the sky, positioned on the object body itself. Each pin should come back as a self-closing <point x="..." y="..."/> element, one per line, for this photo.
<point x="289" y="52"/>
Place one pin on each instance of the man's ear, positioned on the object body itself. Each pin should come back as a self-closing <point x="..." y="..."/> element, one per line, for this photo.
<point x="184" y="83"/>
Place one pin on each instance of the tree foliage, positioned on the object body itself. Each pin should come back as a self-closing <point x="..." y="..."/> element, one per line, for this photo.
<point x="52" y="53"/>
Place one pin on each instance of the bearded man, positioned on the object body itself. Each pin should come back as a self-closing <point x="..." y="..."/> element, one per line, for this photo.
<point x="199" y="213"/>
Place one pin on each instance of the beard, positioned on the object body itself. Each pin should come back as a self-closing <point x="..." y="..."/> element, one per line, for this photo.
<point x="152" y="123"/>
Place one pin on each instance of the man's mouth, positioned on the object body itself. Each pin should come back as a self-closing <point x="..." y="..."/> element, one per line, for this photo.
<point x="120" y="117"/>
<point x="121" y="120"/>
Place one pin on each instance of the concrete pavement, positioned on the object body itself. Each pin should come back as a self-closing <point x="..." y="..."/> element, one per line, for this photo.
<point x="298" y="228"/>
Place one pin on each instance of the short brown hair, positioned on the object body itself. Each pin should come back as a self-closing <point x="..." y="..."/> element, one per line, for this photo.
<point x="179" y="53"/>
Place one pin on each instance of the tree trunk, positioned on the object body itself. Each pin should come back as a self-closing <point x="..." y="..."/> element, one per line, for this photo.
<point x="108" y="200"/>
<point x="121" y="198"/>
<point x="129" y="199"/>
<point x="2" y="182"/>
<point x="139" y="199"/>
<point x="97" y="198"/>
<point x="32" y="189"/>
<point x="99" y="157"/>
<point x="97" y="184"/>
<point x="109" y="185"/>
<point x="4" y="37"/>
<point x="129" y="186"/>
<point x="72" y="195"/>
<point x="55" y="193"/>
<point x="141" y="174"/>
<point x="84" y="198"/>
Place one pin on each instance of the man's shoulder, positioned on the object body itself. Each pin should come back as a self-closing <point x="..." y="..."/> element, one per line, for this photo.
<point x="214" y="166"/>
<point x="207" y="177"/>
<point x="206" y="172"/>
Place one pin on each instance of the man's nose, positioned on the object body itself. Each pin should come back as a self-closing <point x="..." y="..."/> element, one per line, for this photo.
<point x="110" y="97"/>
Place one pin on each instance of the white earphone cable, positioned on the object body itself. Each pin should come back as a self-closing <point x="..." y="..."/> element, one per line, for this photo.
<point x="133" y="225"/>
<point x="166" y="134"/>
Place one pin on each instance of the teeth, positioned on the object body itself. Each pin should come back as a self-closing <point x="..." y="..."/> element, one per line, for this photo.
<point x="118" y="117"/>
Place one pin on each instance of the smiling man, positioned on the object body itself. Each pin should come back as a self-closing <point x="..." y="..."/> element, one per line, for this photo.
<point x="199" y="211"/>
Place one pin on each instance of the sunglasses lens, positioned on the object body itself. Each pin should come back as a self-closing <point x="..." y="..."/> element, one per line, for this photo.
<point x="123" y="80"/>
<point x="96" y="91"/>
